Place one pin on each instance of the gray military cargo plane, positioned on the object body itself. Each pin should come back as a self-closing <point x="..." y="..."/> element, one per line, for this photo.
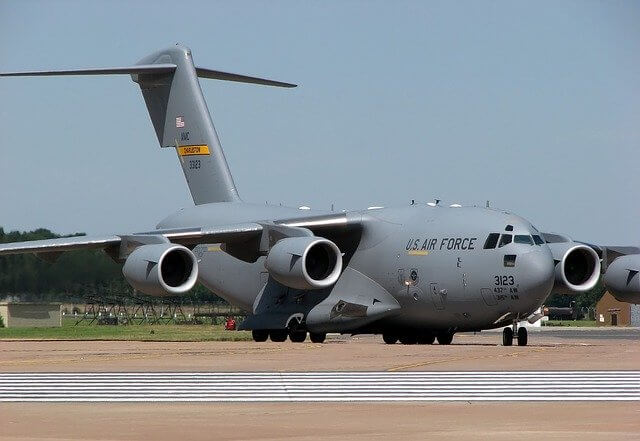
<point x="413" y="274"/>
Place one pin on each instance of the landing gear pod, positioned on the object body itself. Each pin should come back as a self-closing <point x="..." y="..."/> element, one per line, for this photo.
<point x="577" y="266"/>
<point x="161" y="269"/>
<point x="305" y="262"/>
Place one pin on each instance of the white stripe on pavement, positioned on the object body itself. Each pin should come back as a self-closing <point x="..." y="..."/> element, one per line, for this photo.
<point x="321" y="386"/>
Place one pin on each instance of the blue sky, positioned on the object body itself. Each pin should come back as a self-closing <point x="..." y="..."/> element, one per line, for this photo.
<point x="534" y="106"/>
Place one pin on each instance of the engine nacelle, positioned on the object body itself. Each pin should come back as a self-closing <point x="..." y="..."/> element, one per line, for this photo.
<point x="577" y="266"/>
<point x="161" y="269"/>
<point x="305" y="262"/>
<point x="622" y="278"/>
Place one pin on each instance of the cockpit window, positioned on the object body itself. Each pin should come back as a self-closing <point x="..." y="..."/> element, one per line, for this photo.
<point x="492" y="241"/>
<point x="508" y="228"/>
<point x="538" y="240"/>
<point x="523" y="238"/>
<point x="505" y="239"/>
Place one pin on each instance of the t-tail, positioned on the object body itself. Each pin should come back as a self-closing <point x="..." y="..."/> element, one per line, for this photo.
<point x="180" y="116"/>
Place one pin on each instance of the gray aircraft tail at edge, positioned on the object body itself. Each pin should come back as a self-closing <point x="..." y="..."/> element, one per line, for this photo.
<point x="169" y="83"/>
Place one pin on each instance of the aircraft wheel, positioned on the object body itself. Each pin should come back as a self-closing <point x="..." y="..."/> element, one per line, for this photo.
<point x="507" y="337"/>
<point x="278" y="335"/>
<point x="409" y="339"/>
<point x="390" y="339"/>
<point x="297" y="336"/>
<point x="260" y="335"/>
<point x="317" y="337"/>
<point x="522" y="336"/>
<point x="426" y="339"/>
<point x="445" y="338"/>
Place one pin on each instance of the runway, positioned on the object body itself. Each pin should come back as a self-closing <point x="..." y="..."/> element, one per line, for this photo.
<point x="322" y="387"/>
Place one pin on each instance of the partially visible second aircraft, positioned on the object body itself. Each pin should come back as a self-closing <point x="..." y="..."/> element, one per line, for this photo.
<point x="621" y="277"/>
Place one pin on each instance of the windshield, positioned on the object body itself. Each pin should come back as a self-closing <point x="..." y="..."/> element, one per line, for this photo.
<point x="492" y="241"/>
<point x="523" y="238"/>
<point x="505" y="239"/>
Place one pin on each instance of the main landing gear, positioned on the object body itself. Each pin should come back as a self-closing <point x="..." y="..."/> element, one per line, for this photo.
<point x="280" y="335"/>
<point x="520" y="334"/>
<point x="421" y="338"/>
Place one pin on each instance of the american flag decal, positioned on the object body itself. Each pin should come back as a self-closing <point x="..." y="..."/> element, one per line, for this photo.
<point x="179" y="122"/>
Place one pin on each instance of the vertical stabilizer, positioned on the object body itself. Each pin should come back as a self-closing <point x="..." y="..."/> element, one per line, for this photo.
<point x="181" y="120"/>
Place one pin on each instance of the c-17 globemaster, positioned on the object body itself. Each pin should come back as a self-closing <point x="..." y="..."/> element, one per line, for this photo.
<point x="414" y="274"/>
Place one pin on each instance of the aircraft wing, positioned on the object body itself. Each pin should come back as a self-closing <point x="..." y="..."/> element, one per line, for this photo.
<point x="256" y="235"/>
<point x="59" y="245"/>
<point x="51" y="248"/>
<point x="607" y="253"/>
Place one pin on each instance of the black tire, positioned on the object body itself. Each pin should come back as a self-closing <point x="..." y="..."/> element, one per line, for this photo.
<point x="445" y="338"/>
<point x="390" y="339"/>
<point x="408" y="339"/>
<point x="278" y="335"/>
<point x="317" y="337"/>
<point x="523" y="336"/>
<point x="426" y="339"/>
<point x="297" y="336"/>
<point x="507" y="337"/>
<point x="260" y="335"/>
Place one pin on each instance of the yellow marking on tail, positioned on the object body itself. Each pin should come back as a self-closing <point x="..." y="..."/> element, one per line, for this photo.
<point x="188" y="150"/>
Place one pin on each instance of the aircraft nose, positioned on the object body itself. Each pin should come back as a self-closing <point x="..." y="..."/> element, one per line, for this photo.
<point x="537" y="274"/>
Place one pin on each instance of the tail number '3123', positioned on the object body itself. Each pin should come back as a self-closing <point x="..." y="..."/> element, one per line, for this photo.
<point x="504" y="280"/>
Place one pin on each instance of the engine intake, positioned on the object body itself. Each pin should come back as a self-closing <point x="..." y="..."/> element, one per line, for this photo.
<point x="305" y="262"/>
<point x="577" y="266"/>
<point x="161" y="269"/>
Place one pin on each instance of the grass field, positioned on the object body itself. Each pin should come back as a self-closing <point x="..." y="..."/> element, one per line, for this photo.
<point x="127" y="332"/>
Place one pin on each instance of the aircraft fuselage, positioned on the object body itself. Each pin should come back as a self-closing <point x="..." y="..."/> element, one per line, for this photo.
<point x="417" y="267"/>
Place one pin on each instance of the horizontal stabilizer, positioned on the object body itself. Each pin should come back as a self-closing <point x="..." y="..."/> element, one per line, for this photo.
<point x="138" y="69"/>
<point x="226" y="76"/>
<point x="149" y="69"/>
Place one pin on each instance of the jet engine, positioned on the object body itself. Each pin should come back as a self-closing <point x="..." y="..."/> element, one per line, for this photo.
<point x="622" y="278"/>
<point x="161" y="269"/>
<point x="577" y="266"/>
<point x="305" y="262"/>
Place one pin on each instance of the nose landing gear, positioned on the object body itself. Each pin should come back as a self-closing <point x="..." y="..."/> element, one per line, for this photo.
<point x="520" y="334"/>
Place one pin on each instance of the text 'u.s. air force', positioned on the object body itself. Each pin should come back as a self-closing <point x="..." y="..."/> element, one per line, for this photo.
<point x="445" y="243"/>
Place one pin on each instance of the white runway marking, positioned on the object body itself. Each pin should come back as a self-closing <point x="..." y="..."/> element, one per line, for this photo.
<point x="323" y="386"/>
